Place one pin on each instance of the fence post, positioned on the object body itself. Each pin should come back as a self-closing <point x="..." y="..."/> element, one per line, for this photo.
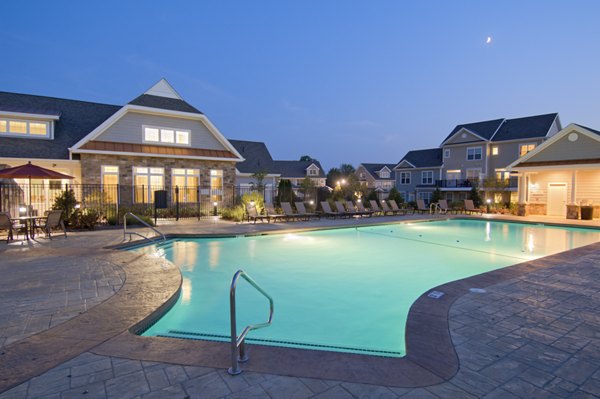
<point x="198" y="201"/>
<point x="118" y="199"/>
<point x="176" y="203"/>
<point x="1" y="201"/>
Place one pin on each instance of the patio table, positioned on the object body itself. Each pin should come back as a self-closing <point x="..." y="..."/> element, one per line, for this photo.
<point x="30" y="225"/>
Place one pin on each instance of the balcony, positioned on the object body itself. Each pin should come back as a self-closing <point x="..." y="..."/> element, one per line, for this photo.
<point x="511" y="183"/>
<point x="457" y="184"/>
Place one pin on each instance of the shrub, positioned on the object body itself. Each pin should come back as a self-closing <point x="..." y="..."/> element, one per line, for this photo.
<point x="84" y="219"/>
<point x="395" y="195"/>
<point x="237" y="213"/>
<point x="475" y="197"/>
<point x="66" y="201"/>
<point x="436" y="196"/>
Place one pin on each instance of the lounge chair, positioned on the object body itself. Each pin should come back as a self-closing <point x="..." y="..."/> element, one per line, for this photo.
<point x="375" y="207"/>
<point x="443" y="206"/>
<point x="288" y="211"/>
<point x="302" y="211"/>
<point x="54" y="220"/>
<point x="421" y="207"/>
<point x="361" y="209"/>
<point x="272" y="214"/>
<point x="328" y="212"/>
<point x="386" y="209"/>
<point x="470" y="207"/>
<point x="396" y="208"/>
<point x="6" y="224"/>
<point x="254" y="215"/>
<point x="343" y="211"/>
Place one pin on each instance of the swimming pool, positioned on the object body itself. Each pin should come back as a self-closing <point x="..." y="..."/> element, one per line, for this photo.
<point x="345" y="290"/>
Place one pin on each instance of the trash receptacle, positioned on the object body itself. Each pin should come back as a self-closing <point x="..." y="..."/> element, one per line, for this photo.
<point x="587" y="212"/>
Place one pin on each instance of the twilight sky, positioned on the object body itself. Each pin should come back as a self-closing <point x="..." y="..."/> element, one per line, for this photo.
<point x="342" y="81"/>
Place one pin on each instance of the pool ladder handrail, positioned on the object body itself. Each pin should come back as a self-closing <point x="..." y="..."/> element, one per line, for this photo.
<point x="125" y="232"/>
<point x="238" y="342"/>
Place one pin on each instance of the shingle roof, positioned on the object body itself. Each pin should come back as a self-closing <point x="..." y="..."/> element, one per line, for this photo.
<point x="525" y="128"/>
<point x="372" y="168"/>
<point x="588" y="128"/>
<point x="256" y="155"/>
<point x="485" y="129"/>
<point x="77" y="119"/>
<point x="172" y="104"/>
<point x="296" y="169"/>
<point x="431" y="157"/>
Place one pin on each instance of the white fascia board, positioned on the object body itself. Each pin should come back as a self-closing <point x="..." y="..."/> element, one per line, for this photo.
<point x="143" y="154"/>
<point x="464" y="129"/>
<point x="240" y="174"/>
<point x="26" y="115"/>
<point x="33" y="160"/>
<point x="555" y="167"/>
<point x="401" y="162"/>
<point x="385" y="167"/>
<point x="569" y="129"/>
<point x="161" y="112"/>
<point x="311" y="165"/>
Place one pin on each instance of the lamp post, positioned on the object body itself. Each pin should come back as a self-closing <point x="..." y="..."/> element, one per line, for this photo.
<point x="215" y="213"/>
<point x="487" y="205"/>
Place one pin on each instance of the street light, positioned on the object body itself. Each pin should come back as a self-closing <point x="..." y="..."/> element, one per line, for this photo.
<point x="215" y="208"/>
<point x="487" y="206"/>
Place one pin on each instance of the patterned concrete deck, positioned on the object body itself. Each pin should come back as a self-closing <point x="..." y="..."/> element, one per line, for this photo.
<point x="537" y="335"/>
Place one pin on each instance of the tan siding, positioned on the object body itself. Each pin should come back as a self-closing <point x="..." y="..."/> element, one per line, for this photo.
<point x="128" y="129"/>
<point x="588" y="185"/>
<point x="562" y="150"/>
<point x="540" y="193"/>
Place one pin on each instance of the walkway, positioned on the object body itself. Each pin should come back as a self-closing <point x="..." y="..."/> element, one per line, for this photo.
<point x="537" y="335"/>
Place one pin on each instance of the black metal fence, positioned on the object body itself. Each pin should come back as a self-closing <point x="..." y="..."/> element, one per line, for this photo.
<point x="111" y="202"/>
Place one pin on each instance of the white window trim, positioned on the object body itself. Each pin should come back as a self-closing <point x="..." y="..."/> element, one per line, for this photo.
<point x="407" y="181"/>
<point x="472" y="169"/>
<point x="49" y="129"/>
<point x="174" y="129"/>
<point x="196" y="174"/>
<point x="149" y="198"/>
<point x="525" y="144"/>
<point x="475" y="148"/>
<point x="428" y="172"/>
<point x="102" y="173"/>
<point x="446" y="153"/>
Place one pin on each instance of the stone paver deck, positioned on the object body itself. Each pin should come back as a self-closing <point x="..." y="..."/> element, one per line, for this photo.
<point x="535" y="335"/>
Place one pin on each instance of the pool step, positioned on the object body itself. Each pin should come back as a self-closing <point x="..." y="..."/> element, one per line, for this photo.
<point x="226" y="338"/>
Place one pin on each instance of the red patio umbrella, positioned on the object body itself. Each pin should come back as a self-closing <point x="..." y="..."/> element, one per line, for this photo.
<point x="30" y="171"/>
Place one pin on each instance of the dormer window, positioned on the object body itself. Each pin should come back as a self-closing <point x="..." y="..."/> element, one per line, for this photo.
<point x="164" y="135"/>
<point x="312" y="172"/>
<point x="384" y="174"/>
<point x="24" y="128"/>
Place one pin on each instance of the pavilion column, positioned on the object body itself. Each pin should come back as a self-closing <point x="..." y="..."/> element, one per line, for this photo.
<point x="574" y="187"/>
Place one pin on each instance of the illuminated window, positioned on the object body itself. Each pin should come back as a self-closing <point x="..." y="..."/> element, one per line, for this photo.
<point x="185" y="184"/>
<point x="473" y="153"/>
<point x="216" y="184"/>
<point x="3" y="126"/>
<point x="25" y="128"/>
<point x="146" y="181"/>
<point x="494" y="150"/>
<point x="110" y="180"/>
<point x="166" y="135"/>
<point x="525" y="148"/>
<point x="17" y="127"/>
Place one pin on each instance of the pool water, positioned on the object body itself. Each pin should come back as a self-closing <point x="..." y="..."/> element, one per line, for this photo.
<point x="346" y="290"/>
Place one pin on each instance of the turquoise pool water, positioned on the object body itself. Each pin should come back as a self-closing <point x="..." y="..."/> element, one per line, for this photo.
<point x="346" y="290"/>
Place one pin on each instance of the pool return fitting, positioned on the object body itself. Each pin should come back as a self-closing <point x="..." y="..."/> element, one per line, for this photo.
<point x="238" y="342"/>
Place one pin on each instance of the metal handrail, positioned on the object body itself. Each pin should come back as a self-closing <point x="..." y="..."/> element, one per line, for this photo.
<point x="125" y="232"/>
<point x="238" y="342"/>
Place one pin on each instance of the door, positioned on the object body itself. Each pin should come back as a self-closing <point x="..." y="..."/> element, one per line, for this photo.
<point x="557" y="199"/>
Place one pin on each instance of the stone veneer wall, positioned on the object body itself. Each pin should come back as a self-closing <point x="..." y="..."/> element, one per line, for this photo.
<point x="531" y="209"/>
<point x="91" y="172"/>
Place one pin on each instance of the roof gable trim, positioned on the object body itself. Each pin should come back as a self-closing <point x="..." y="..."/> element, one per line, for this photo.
<point x="163" y="89"/>
<point x="465" y="130"/>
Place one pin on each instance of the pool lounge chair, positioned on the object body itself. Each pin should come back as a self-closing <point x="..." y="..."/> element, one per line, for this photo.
<point x="375" y="208"/>
<point x="53" y="221"/>
<point x="470" y="207"/>
<point x="254" y="215"/>
<point x="272" y="214"/>
<point x="443" y="206"/>
<point x="289" y="212"/>
<point x="302" y="211"/>
<point x="386" y="209"/>
<point x="328" y="212"/>
<point x="343" y="211"/>
<point x="396" y="208"/>
<point x="421" y="207"/>
<point x="361" y="209"/>
<point x="6" y="224"/>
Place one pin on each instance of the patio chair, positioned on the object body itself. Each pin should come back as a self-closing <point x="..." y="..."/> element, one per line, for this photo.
<point x="6" y="224"/>
<point x="53" y="221"/>
<point x="375" y="208"/>
<point x="343" y="211"/>
<point x="443" y="206"/>
<point x="386" y="209"/>
<point x="289" y="212"/>
<point x="302" y="211"/>
<point x="328" y="212"/>
<point x="397" y="209"/>
<point x="253" y="214"/>
<point x="470" y="207"/>
<point x="272" y="214"/>
<point x="422" y="207"/>
<point x="361" y="209"/>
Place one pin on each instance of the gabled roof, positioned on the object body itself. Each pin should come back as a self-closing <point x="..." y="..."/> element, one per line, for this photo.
<point x="588" y="128"/>
<point x="485" y="129"/>
<point x="296" y="169"/>
<point x="171" y="104"/>
<point x="524" y="128"/>
<point x="256" y="155"/>
<point x="429" y="158"/>
<point x="372" y="168"/>
<point x="77" y="119"/>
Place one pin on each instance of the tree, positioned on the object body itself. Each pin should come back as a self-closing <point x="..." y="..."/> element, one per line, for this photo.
<point x="285" y="192"/>
<point x="306" y="158"/>
<point x="347" y="170"/>
<point x="475" y="196"/>
<point x="395" y="195"/>
<point x="307" y="187"/>
<point x="333" y="176"/>
<point x="259" y="180"/>
<point x="437" y="195"/>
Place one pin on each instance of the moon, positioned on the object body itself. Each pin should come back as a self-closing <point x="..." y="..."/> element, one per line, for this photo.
<point x="488" y="40"/>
